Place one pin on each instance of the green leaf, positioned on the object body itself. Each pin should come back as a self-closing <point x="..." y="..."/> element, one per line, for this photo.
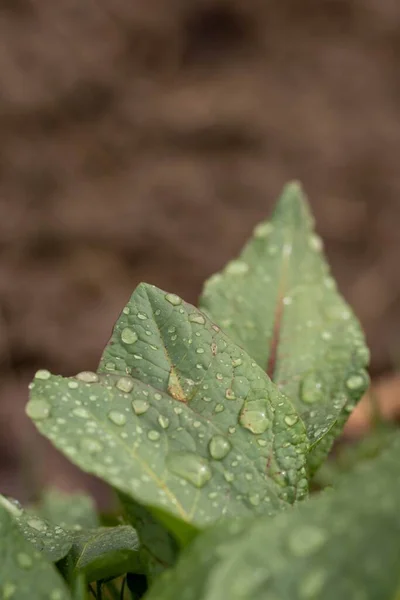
<point x="50" y="540"/>
<point x="103" y="553"/>
<point x="339" y="544"/>
<point x="71" y="511"/>
<point x="25" y="574"/>
<point x="279" y="302"/>
<point x="158" y="548"/>
<point x="185" y="423"/>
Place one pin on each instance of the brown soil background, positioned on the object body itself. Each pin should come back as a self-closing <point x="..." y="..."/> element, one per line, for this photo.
<point x="143" y="139"/>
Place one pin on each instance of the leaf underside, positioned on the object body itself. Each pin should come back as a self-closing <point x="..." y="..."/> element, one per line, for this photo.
<point x="339" y="544"/>
<point x="279" y="302"/>
<point x="179" y="418"/>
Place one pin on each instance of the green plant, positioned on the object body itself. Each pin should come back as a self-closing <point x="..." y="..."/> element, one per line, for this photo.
<point x="209" y="424"/>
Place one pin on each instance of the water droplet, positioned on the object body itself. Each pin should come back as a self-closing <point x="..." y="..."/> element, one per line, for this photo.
<point x="91" y="446"/>
<point x="56" y="595"/>
<point x="254" y="416"/>
<point x="42" y="374"/>
<point x="9" y="590"/>
<point x="310" y="587"/>
<point x="142" y="316"/>
<point x="37" y="524"/>
<point x="287" y="300"/>
<point x="316" y="243"/>
<point x="232" y="429"/>
<point x="230" y="394"/>
<point x="261" y="442"/>
<point x="355" y="382"/>
<point x="24" y="560"/>
<point x="153" y="435"/>
<point x="126" y="310"/>
<point x="197" y="318"/>
<point x="157" y="396"/>
<point x="219" y="376"/>
<point x="190" y="467"/>
<point x="200" y="351"/>
<point x="219" y="408"/>
<point x="38" y="409"/>
<point x="236" y="267"/>
<point x="128" y="336"/>
<point x="312" y="389"/>
<point x="290" y="420"/>
<point x="254" y="499"/>
<point x="80" y="412"/>
<point x="263" y="230"/>
<point x="117" y="418"/>
<point x="73" y="385"/>
<point x="306" y="539"/>
<point x="173" y="299"/>
<point x="163" y="421"/>
<point x="125" y="384"/>
<point x="229" y="477"/>
<point x="110" y="366"/>
<point x="87" y="377"/>
<point x="236" y="362"/>
<point x="178" y="410"/>
<point x="219" y="447"/>
<point x="140" y="406"/>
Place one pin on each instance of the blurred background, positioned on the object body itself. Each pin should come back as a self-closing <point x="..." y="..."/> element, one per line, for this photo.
<point x="143" y="140"/>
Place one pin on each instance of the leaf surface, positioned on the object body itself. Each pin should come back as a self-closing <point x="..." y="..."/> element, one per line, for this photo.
<point x="279" y="302"/>
<point x="339" y="544"/>
<point x="50" y="540"/>
<point x="25" y="574"/>
<point x="184" y="422"/>
<point x="71" y="511"/>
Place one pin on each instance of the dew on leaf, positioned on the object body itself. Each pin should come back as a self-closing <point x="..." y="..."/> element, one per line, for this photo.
<point x="254" y="499"/>
<point x="290" y="420"/>
<point x="254" y="416"/>
<point x="163" y="421"/>
<point x="125" y="384"/>
<point x="219" y="408"/>
<point x="42" y="374"/>
<point x="117" y="418"/>
<point x="355" y="382"/>
<point x="142" y="316"/>
<point x="190" y="467"/>
<point x="316" y="243"/>
<point x="140" y="406"/>
<point x="197" y="318"/>
<point x="263" y="230"/>
<point x="236" y="362"/>
<point x="24" y="560"/>
<point x="91" y="446"/>
<point x="80" y="412"/>
<point x="173" y="299"/>
<point x="126" y="310"/>
<point x="37" y="524"/>
<point x="38" y="409"/>
<point x="237" y="267"/>
<point x="219" y="447"/>
<point x="230" y="394"/>
<point x="87" y="377"/>
<point x="312" y="389"/>
<point x="229" y="477"/>
<point x="73" y="385"/>
<point x="128" y="336"/>
<point x="9" y="590"/>
<point x="153" y="435"/>
<point x="261" y="442"/>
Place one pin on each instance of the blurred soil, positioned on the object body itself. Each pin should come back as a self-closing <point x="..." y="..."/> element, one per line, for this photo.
<point x="143" y="140"/>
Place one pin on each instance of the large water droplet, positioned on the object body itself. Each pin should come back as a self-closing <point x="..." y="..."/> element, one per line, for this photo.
<point x="125" y="384"/>
<point x="24" y="560"/>
<point x="312" y="389"/>
<point x="219" y="447"/>
<point x="87" y="377"/>
<point x="173" y="299"/>
<point x="254" y="416"/>
<point x="128" y="336"/>
<point x="140" y="406"/>
<point x="117" y="418"/>
<point x="37" y="524"/>
<point x="190" y="467"/>
<point x="38" y="409"/>
<point x="290" y="420"/>
<point x="197" y="318"/>
<point x="306" y="539"/>
<point x="42" y="374"/>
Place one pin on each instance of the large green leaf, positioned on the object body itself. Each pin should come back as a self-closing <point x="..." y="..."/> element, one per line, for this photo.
<point x="50" y="540"/>
<point x="25" y="574"/>
<point x="185" y="422"/>
<point x="279" y="302"/>
<point x="102" y="553"/>
<point x="340" y="544"/>
<point x="71" y="511"/>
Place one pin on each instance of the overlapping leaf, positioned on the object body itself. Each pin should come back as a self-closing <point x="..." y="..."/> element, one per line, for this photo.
<point x="49" y="539"/>
<point x="25" y="574"/>
<point x="340" y="544"/>
<point x="185" y="423"/>
<point x="70" y="511"/>
<point x="279" y="302"/>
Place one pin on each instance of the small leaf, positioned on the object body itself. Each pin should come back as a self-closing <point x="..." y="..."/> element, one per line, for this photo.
<point x="71" y="511"/>
<point x="184" y="423"/>
<point x="103" y="553"/>
<point x="50" y="540"/>
<point x="25" y="574"/>
<point x="339" y="544"/>
<point x="157" y="547"/>
<point x="279" y="302"/>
